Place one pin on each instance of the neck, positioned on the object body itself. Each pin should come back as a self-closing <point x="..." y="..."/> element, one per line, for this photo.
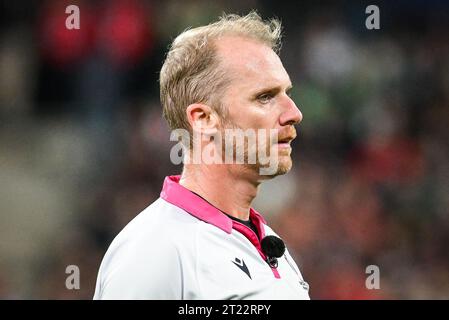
<point x="231" y="192"/>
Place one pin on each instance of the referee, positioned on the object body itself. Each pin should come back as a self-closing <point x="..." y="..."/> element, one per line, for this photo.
<point x="201" y="239"/>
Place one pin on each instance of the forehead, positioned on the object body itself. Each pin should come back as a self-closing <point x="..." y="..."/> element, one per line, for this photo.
<point x="250" y="62"/>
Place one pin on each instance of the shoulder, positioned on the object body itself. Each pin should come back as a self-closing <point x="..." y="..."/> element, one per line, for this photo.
<point x="160" y="221"/>
<point x="147" y="253"/>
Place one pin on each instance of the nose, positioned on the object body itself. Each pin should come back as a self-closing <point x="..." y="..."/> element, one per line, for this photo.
<point x="291" y="114"/>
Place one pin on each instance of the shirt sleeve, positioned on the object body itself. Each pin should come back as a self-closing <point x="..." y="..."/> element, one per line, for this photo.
<point x="150" y="271"/>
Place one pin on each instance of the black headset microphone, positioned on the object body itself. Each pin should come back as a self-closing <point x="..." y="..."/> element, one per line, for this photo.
<point x="273" y="247"/>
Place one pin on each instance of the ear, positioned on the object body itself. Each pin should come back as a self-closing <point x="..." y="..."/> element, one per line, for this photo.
<point x="202" y="118"/>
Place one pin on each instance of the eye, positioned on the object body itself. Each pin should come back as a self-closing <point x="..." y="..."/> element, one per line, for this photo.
<point x="265" y="97"/>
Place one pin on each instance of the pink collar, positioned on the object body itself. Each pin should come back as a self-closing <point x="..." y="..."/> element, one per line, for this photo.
<point x="183" y="198"/>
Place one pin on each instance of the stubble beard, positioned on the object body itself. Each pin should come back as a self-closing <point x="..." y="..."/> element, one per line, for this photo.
<point x="284" y="160"/>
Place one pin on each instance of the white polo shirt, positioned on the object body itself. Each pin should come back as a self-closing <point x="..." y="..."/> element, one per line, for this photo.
<point x="182" y="247"/>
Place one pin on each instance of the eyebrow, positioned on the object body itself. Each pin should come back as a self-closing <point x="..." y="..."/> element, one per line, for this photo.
<point x="272" y="90"/>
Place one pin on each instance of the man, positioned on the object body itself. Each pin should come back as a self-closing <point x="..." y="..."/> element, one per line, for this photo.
<point x="201" y="239"/>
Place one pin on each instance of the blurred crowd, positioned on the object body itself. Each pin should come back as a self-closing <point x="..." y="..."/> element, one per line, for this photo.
<point x="84" y="147"/>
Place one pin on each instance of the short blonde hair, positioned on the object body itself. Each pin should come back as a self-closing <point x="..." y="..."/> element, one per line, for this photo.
<point x="191" y="72"/>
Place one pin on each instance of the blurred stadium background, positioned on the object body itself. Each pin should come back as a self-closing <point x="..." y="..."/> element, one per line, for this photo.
<point x="83" y="146"/>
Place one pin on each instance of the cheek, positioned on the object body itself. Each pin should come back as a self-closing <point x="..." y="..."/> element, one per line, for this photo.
<point x="256" y="117"/>
<point x="264" y="119"/>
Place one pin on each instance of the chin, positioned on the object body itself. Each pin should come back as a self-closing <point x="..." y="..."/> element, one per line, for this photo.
<point x="284" y="166"/>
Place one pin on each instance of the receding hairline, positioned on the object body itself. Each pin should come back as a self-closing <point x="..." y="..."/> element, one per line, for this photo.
<point x="229" y="56"/>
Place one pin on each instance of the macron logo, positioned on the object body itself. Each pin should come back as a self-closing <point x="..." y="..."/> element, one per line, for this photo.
<point x="242" y="266"/>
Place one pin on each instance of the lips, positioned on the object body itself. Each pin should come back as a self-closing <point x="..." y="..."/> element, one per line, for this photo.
<point x="286" y="140"/>
<point x="287" y="134"/>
